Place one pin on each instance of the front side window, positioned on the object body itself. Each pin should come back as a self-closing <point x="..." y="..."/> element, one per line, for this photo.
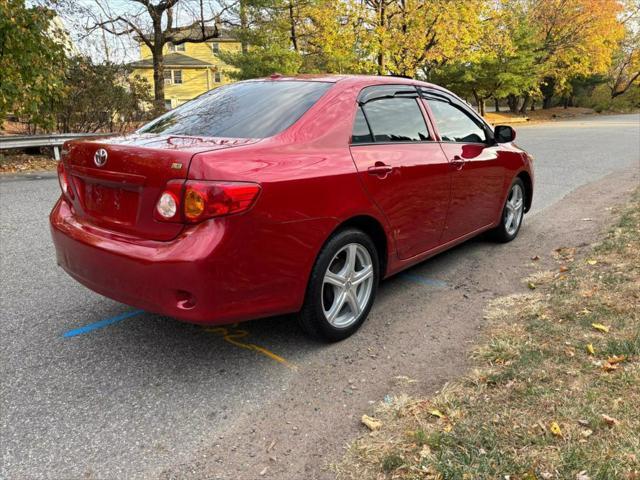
<point x="454" y="124"/>
<point x="177" y="76"/>
<point x="396" y="119"/>
<point x="241" y="110"/>
<point x="215" y="47"/>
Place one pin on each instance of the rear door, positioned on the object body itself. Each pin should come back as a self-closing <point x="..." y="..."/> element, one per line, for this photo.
<point x="401" y="166"/>
<point x="477" y="175"/>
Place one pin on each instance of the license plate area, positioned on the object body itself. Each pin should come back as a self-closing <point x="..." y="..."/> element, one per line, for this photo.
<point x="110" y="203"/>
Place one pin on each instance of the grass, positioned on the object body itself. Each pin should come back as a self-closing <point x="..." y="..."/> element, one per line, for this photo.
<point x="551" y="396"/>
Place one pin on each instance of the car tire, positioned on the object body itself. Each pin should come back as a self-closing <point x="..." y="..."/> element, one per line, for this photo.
<point x="342" y="287"/>
<point x="512" y="213"/>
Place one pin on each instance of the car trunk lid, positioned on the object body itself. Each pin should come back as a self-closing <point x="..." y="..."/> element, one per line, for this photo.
<point x="117" y="181"/>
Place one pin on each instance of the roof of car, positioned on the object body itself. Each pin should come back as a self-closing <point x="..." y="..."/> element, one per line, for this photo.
<point x="353" y="79"/>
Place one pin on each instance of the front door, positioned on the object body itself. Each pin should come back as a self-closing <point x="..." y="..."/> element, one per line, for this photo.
<point x="401" y="166"/>
<point x="477" y="174"/>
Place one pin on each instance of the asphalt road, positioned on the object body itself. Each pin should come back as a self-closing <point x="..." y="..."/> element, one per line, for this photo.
<point x="142" y="395"/>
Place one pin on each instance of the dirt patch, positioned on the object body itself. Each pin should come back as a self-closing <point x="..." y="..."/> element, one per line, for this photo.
<point x="416" y="339"/>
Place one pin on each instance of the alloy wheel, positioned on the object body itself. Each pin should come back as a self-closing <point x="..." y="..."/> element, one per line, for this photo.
<point x="514" y="209"/>
<point x="347" y="285"/>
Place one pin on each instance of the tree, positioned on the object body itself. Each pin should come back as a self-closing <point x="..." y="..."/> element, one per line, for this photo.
<point x="100" y="97"/>
<point x="575" y="37"/>
<point x="625" y="64"/>
<point x="154" y="25"/>
<point x="31" y="62"/>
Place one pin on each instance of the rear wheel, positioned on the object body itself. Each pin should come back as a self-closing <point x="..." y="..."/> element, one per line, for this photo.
<point x="342" y="287"/>
<point x="512" y="213"/>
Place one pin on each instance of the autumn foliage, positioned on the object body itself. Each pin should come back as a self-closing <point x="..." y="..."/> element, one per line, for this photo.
<point x="519" y="50"/>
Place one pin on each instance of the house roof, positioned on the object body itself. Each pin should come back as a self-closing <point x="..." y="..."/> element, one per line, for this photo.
<point x="172" y="60"/>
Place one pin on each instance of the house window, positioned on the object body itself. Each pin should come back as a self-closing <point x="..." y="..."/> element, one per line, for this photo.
<point x="172" y="76"/>
<point x="167" y="104"/>
<point x="215" y="47"/>
<point x="176" y="48"/>
<point x="218" y="77"/>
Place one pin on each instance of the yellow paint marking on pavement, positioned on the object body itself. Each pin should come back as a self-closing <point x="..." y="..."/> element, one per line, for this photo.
<point x="233" y="337"/>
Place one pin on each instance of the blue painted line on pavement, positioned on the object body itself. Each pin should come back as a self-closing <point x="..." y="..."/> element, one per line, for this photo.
<point x="101" y="324"/>
<point x="432" y="282"/>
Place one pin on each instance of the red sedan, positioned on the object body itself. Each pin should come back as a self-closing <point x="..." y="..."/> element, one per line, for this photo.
<point x="284" y="195"/>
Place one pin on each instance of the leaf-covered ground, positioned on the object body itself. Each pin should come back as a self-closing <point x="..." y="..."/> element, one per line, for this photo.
<point x="556" y="391"/>
<point x="21" y="162"/>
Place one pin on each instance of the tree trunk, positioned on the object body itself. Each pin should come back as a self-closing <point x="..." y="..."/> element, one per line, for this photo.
<point x="479" y="102"/>
<point x="244" y="26"/>
<point x="547" y="88"/>
<point x="497" y="102"/>
<point x="158" y="79"/>
<point x="292" y="20"/>
<point x="381" y="20"/>
<point x="513" y="101"/>
<point x="525" y="104"/>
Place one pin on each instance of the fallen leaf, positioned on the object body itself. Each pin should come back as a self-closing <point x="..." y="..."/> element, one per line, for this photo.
<point x="610" y="420"/>
<point x="583" y="475"/>
<point x="531" y="285"/>
<point x="600" y="327"/>
<point x="372" y="424"/>
<point x="616" y="359"/>
<point x="437" y="413"/>
<point x="448" y="427"/>
<point x="590" y="349"/>
<point x="555" y="429"/>
<point x="264" y="471"/>
<point x="535" y="258"/>
<point x="586" y="433"/>
<point x="609" y="367"/>
<point x="592" y="262"/>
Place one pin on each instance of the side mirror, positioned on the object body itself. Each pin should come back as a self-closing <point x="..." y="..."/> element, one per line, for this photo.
<point x="504" y="134"/>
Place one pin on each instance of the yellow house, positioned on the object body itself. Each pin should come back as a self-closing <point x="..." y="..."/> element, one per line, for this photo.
<point x="189" y="68"/>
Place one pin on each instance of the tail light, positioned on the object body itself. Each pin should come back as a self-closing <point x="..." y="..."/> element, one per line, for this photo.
<point x="194" y="200"/>
<point x="64" y="181"/>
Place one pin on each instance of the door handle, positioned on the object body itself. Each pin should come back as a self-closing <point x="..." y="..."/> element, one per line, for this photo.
<point x="458" y="162"/>
<point x="380" y="169"/>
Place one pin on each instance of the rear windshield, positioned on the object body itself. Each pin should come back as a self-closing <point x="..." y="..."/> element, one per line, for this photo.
<point x="241" y="110"/>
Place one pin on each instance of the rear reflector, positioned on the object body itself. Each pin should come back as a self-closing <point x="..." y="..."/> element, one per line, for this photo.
<point x="198" y="200"/>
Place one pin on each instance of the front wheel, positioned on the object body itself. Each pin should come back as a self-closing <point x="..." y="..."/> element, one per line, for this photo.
<point x="512" y="213"/>
<point x="342" y="287"/>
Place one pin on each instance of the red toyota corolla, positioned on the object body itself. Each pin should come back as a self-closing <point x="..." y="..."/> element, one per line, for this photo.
<point x="285" y="195"/>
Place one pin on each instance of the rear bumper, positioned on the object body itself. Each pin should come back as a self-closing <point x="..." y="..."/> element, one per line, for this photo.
<point x="195" y="277"/>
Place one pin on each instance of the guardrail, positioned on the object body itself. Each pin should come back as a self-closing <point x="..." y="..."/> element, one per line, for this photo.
<point x="54" y="140"/>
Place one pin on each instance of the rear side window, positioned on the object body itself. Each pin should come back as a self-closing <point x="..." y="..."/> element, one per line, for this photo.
<point x="361" y="132"/>
<point x="396" y="120"/>
<point x="454" y="124"/>
<point x="241" y="110"/>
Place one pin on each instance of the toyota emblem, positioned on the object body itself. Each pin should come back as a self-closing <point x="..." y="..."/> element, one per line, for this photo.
<point x="100" y="157"/>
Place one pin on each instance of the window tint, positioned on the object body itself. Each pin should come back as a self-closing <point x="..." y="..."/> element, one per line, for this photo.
<point x="361" y="132"/>
<point x="455" y="125"/>
<point x="241" y="110"/>
<point x="396" y="120"/>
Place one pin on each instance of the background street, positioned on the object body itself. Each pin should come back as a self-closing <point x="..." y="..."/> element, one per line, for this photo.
<point x="148" y="396"/>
